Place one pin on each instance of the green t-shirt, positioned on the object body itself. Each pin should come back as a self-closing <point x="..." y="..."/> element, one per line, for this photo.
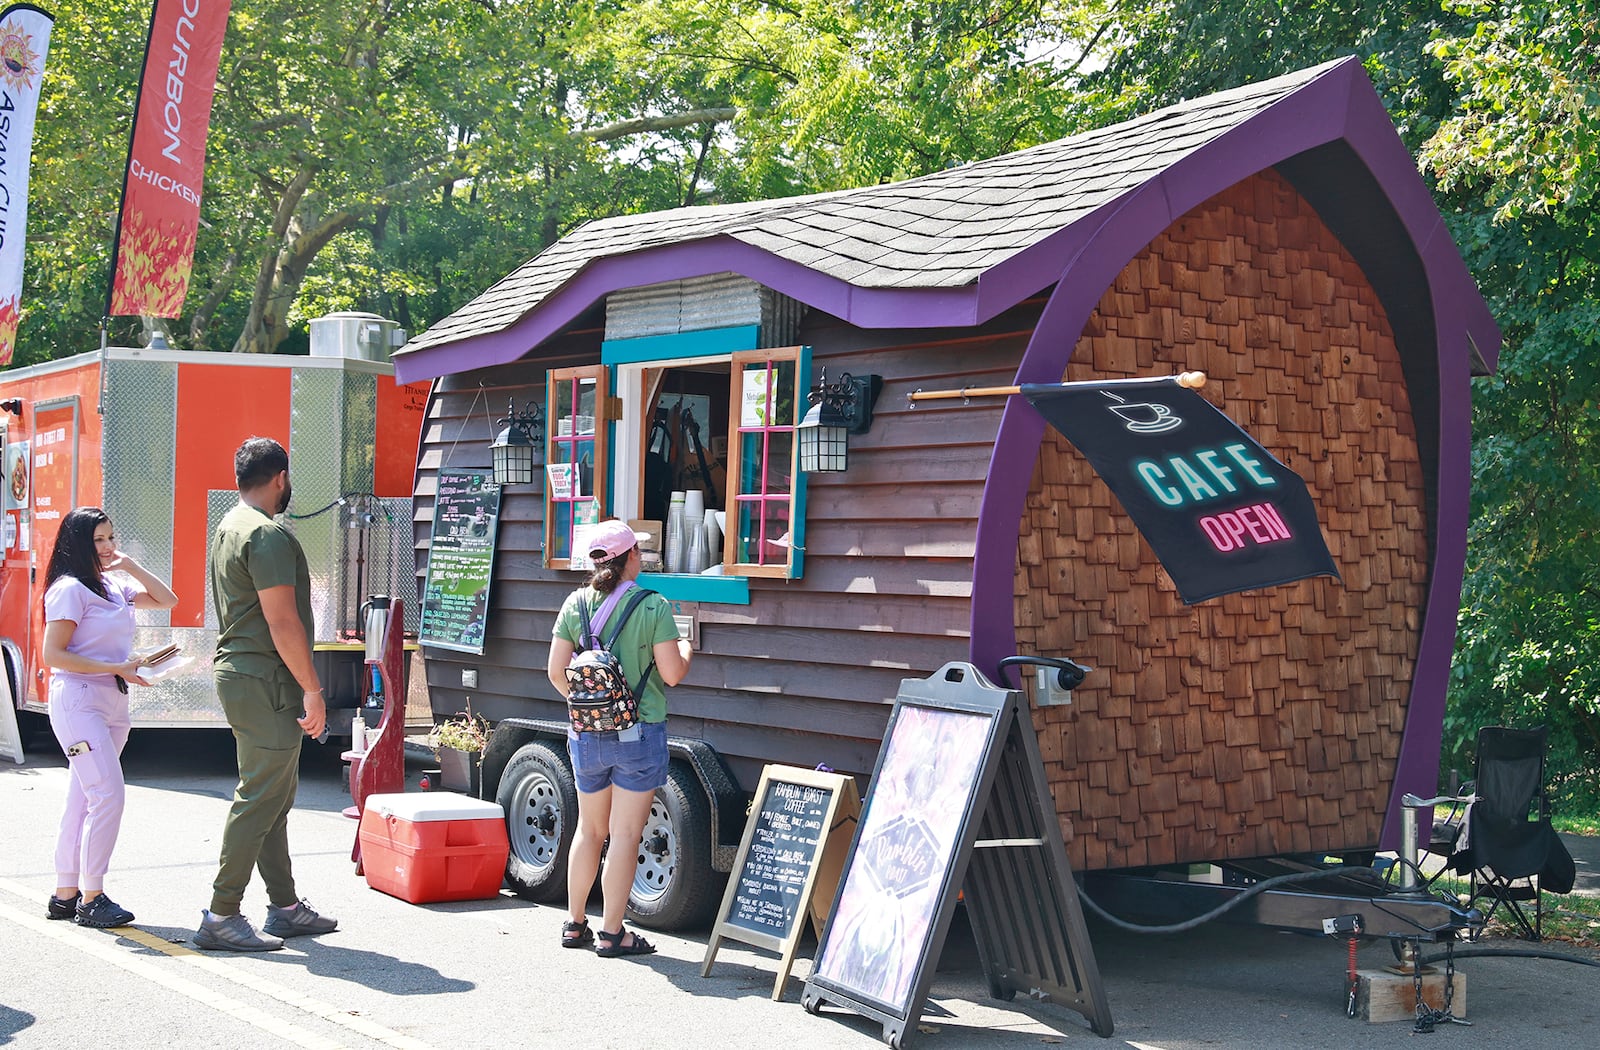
<point x="650" y="623"/>
<point x="249" y="553"/>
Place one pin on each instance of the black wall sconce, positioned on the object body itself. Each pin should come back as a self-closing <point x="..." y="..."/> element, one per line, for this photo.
<point x="837" y="411"/>
<point x="519" y="446"/>
<point x="12" y="405"/>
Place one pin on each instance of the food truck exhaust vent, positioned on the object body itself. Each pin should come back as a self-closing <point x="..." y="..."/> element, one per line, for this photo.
<point x="362" y="336"/>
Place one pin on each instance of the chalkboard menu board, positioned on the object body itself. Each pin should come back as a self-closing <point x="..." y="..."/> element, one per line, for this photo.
<point x="455" y="596"/>
<point x="794" y="843"/>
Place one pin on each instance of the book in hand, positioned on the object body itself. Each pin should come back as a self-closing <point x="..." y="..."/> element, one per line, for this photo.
<point x="162" y="662"/>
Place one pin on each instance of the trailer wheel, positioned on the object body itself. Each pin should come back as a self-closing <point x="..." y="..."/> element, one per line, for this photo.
<point x="541" y="803"/>
<point x="675" y="887"/>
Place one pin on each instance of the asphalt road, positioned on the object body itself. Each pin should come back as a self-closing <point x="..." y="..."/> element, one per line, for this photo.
<point x="490" y="973"/>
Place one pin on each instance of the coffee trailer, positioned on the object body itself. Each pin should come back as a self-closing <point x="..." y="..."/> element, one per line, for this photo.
<point x="1276" y="237"/>
<point x="148" y="434"/>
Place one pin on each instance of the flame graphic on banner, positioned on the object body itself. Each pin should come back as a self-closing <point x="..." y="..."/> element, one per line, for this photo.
<point x="154" y="262"/>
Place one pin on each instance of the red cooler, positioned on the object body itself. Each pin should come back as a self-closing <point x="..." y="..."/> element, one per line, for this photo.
<point x="433" y="846"/>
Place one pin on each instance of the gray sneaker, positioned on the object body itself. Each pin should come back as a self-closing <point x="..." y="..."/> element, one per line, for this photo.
<point x="299" y="920"/>
<point x="233" y="933"/>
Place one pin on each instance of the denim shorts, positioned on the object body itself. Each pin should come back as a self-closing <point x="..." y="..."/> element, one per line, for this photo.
<point x="600" y="760"/>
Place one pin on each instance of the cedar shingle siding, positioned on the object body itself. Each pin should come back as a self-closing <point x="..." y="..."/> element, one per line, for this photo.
<point x="1257" y="723"/>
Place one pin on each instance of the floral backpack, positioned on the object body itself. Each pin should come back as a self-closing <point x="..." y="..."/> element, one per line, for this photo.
<point x="599" y="698"/>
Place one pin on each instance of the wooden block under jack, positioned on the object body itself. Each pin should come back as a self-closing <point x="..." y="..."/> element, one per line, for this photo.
<point x="1382" y="995"/>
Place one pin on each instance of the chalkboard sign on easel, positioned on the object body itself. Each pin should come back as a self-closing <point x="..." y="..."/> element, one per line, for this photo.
<point x="455" y="596"/>
<point x="958" y="779"/>
<point x="788" y="864"/>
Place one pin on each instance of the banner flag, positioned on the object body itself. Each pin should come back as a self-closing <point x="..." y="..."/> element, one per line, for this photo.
<point x="154" y="250"/>
<point x="1220" y="512"/>
<point x="24" y="40"/>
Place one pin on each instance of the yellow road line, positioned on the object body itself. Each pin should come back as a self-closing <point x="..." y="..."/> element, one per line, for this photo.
<point x="106" y="949"/>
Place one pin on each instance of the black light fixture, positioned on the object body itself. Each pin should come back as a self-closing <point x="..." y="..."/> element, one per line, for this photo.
<point x="837" y="411"/>
<point x="514" y="448"/>
<point x="12" y="405"/>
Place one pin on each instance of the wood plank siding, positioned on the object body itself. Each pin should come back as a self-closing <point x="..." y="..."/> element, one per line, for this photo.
<point x="1259" y="723"/>
<point x="807" y="672"/>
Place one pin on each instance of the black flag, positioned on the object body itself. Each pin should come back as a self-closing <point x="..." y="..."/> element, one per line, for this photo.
<point x="1221" y="513"/>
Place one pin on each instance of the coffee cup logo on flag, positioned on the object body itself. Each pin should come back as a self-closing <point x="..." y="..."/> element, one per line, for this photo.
<point x="24" y="40"/>
<point x="1221" y="513"/>
<point x="154" y="251"/>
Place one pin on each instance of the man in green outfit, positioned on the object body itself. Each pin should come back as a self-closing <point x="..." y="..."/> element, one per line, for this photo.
<point x="261" y="588"/>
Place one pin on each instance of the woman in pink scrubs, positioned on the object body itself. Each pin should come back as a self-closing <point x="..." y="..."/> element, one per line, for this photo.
<point x="91" y="590"/>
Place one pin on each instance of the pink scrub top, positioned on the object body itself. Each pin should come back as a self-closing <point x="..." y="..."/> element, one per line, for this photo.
<point x="105" y="625"/>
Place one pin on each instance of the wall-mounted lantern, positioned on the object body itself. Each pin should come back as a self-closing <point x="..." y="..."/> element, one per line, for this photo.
<point x="519" y="447"/>
<point x="837" y="411"/>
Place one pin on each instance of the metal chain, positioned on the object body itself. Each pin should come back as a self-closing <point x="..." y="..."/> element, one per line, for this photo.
<point x="1427" y="1017"/>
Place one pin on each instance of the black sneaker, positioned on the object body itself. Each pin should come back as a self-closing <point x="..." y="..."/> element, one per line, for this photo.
<point x="102" y="913"/>
<point x="63" y="908"/>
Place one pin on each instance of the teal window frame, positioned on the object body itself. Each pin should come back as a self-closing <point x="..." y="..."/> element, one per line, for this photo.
<point x="731" y="589"/>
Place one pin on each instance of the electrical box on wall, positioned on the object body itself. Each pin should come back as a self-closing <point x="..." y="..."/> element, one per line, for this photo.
<point x="1049" y="692"/>
<point x="469" y="678"/>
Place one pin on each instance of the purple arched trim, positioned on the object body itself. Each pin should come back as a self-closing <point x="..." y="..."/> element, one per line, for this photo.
<point x="1340" y="105"/>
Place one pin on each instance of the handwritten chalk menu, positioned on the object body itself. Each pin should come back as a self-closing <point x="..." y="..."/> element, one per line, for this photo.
<point x="455" y="596"/>
<point x="794" y="844"/>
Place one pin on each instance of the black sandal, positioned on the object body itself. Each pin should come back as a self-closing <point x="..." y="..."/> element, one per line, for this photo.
<point x="610" y="944"/>
<point x="576" y="934"/>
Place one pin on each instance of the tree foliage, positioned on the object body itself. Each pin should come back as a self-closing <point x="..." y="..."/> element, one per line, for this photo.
<point x="1519" y="157"/>
<point x="401" y="155"/>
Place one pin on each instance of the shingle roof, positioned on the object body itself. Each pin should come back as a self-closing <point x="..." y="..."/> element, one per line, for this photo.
<point x="942" y="230"/>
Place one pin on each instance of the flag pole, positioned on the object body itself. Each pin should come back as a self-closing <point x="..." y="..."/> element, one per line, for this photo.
<point x="1190" y="380"/>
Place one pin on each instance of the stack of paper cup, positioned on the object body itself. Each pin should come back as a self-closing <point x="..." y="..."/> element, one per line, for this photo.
<point x="713" y="540"/>
<point x="672" y="543"/>
<point x="694" y="546"/>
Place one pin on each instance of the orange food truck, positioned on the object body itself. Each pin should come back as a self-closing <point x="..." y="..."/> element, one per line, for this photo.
<point x="149" y="434"/>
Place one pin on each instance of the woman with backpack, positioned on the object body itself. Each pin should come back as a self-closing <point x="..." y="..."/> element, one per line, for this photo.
<point x="609" y="622"/>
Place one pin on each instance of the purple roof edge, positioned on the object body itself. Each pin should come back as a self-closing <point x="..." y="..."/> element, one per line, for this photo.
<point x="1339" y="105"/>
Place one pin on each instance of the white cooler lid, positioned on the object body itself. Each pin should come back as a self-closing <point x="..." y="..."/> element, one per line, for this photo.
<point x="434" y="805"/>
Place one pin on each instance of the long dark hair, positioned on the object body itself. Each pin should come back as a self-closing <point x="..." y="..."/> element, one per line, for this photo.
<point x="74" y="553"/>
<point x="607" y="575"/>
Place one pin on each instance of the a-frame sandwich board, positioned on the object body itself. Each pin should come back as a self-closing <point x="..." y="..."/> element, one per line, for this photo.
<point x="958" y="798"/>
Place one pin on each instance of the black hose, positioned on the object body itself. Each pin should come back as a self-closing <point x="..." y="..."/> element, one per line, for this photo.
<point x="341" y="501"/>
<point x="1226" y="906"/>
<point x="1508" y="953"/>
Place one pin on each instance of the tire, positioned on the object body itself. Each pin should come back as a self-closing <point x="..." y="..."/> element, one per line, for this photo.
<point x="675" y="887"/>
<point x="540" y="798"/>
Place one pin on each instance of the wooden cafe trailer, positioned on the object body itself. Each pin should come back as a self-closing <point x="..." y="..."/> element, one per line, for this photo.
<point x="1277" y="237"/>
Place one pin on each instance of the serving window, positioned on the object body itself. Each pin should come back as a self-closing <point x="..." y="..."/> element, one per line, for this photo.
<point x="719" y="428"/>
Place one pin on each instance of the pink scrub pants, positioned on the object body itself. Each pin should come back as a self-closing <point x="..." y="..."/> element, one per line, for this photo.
<point x="94" y="712"/>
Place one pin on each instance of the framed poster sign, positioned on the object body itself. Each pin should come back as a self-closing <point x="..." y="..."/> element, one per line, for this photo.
<point x="455" y="595"/>
<point x="923" y="793"/>
<point x="793" y="850"/>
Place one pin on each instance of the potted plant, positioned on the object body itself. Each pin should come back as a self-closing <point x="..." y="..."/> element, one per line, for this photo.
<point x="458" y="744"/>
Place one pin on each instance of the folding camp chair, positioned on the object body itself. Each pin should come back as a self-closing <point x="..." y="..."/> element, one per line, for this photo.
<point x="1504" y="842"/>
